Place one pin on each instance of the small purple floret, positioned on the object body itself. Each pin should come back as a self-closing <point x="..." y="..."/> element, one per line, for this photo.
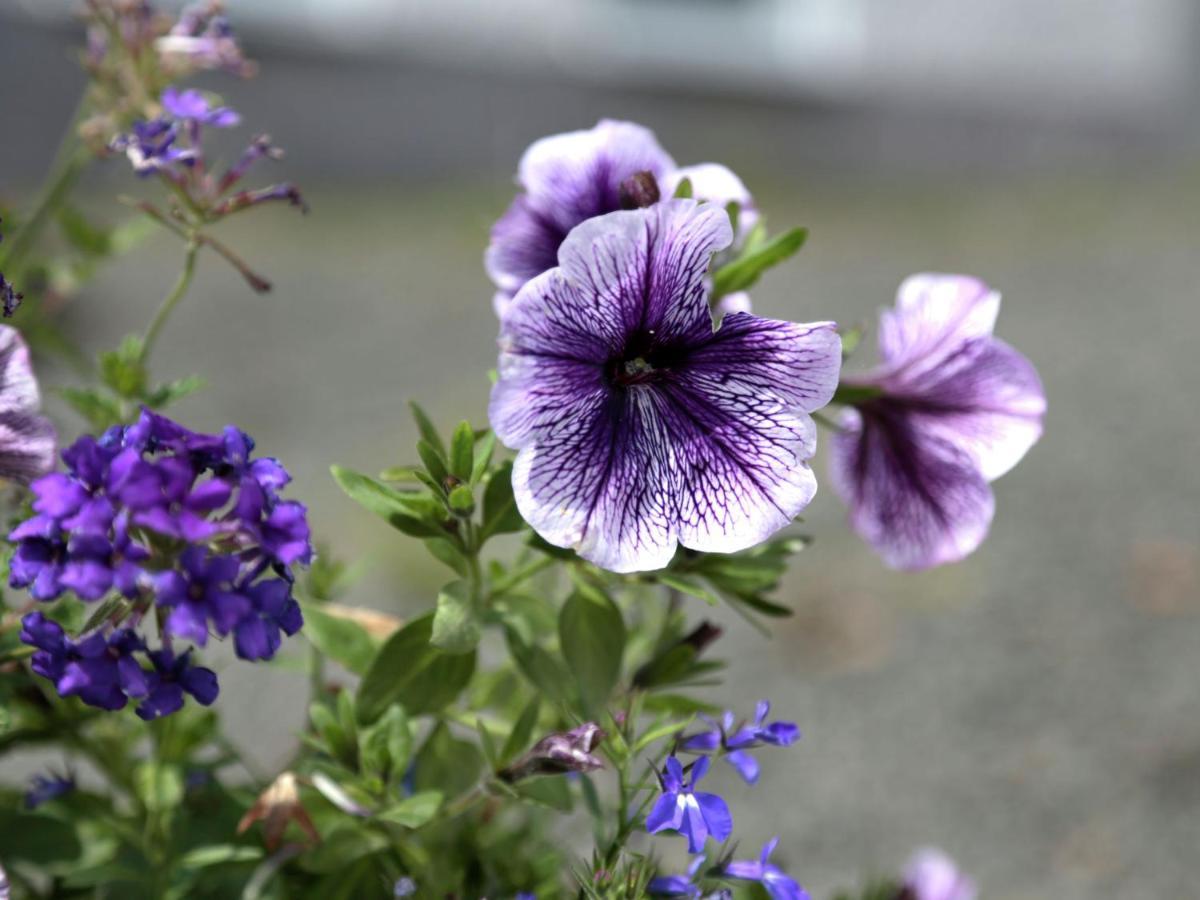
<point x="778" y="883"/>
<point x="43" y="789"/>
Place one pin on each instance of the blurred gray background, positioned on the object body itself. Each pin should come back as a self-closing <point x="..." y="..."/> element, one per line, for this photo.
<point x="1033" y="710"/>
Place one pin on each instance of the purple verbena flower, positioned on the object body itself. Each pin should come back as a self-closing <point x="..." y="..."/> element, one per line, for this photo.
<point x="568" y="178"/>
<point x="677" y="885"/>
<point x="203" y="38"/>
<point x="682" y="809"/>
<point x="192" y="106"/>
<point x="27" y="439"/>
<point x="736" y="741"/>
<point x="43" y="789"/>
<point x="201" y="591"/>
<point x="949" y="409"/>
<point x="932" y="875"/>
<point x="99" y="669"/>
<point x="152" y="146"/>
<point x="640" y="427"/>
<point x="171" y="678"/>
<point x="778" y="883"/>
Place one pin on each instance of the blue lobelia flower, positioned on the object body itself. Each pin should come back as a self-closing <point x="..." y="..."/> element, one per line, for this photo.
<point x="640" y="427"/>
<point x="736" y="741"/>
<point x="677" y="885"/>
<point x="778" y="883"/>
<point x="949" y="409"/>
<point x="43" y="789"/>
<point x="682" y="809"/>
<point x="569" y="178"/>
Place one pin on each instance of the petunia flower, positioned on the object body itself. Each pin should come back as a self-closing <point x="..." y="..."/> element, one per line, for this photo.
<point x="948" y="410"/>
<point x="682" y="809"/>
<point x="640" y="427"/>
<point x="932" y="875"/>
<point x="27" y="439"/>
<point x="778" y="883"/>
<point x="568" y="178"/>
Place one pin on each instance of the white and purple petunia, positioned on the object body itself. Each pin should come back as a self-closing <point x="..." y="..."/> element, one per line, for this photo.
<point x="639" y="426"/>
<point x="932" y="875"/>
<point x="27" y="439"/>
<point x="949" y="409"/>
<point x="569" y="178"/>
<point x="696" y="815"/>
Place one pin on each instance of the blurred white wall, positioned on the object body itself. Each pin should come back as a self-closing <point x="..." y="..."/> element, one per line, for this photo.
<point x="1118" y="59"/>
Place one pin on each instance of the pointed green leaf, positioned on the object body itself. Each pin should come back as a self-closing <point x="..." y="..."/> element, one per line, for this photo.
<point x="425" y="426"/>
<point x="462" y="451"/>
<point x="342" y="640"/>
<point x="386" y="502"/>
<point x="592" y="635"/>
<point x="456" y="625"/>
<point x="500" y="515"/>
<point x="519" y="737"/>
<point x="414" y="811"/>
<point x="746" y="270"/>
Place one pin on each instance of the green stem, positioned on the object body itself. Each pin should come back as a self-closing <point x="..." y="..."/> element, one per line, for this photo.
<point x="515" y="579"/>
<point x="855" y="394"/>
<point x="69" y="162"/>
<point x="172" y="299"/>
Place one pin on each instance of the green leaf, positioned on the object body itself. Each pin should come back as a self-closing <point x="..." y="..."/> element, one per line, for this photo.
<point x="462" y="451"/>
<point x="89" y="239"/>
<point x="500" y="515"/>
<point x="483" y="456"/>
<point x="101" y="410"/>
<point x="434" y="461"/>
<point x="37" y="838"/>
<point x="429" y="433"/>
<point x="456" y="625"/>
<point x="746" y="270"/>
<point x="519" y="737"/>
<point x="446" y="551"/>
<point x="414" y="811"/>
<point x="386" y="502"/>
<point x="677" y="705"/>
<point x="592" y="634"/>
<point x="174" y="391"/>
<point x="159" y="786"/>
<point x="553" y="791"/>
<point x="462" y="501"/>
<point x="670" y="667"/>
<point x="683" y="190"/>
<point x="410" y="671"/>
<point x="109" y="609"/>
<point x="658" y="733"/>
<point x="218" y="854"/>
<point x="332" y="733"/>
<point x="488" y="743"/>
<point x="687" y="586"/>
<point x="122" y="369"/>
<point x="342" y="640"/>
<point x="447" y="764"/>
<point x="545" y="672"/>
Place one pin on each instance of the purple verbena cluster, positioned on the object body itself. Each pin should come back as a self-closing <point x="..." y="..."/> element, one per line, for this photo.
<point x="171" y="145"/>
<point x="163" y="517"/>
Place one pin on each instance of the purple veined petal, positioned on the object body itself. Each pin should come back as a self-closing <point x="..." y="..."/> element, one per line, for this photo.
<point x="576" y="176"/>
<point x="918" y="502"/>
<point x="523" y="245"/>
<point x="990" y="405"/>
<point x="745" y="764"/>
<point x="714" y="183"/>
<point x="694" y="826"/>
<point x="667" y="813"/>
<point x="18" y="387"/>
<point x="716" y="815"/>
<point x="934" y="315"/>
<point x="644" y="269"/>
<point x="737" y="302"/>
<point x="28" y="443"/>
<point x="739" y="419"/>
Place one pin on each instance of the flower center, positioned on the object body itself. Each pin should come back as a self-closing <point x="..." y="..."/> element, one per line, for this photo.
<point x="642" y="362"/>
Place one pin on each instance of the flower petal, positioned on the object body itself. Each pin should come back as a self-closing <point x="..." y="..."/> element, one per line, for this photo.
<point x="739" y="419"/>
<point x="642" y="270"/>
<point x="716" y="815"/>
<point x="746" y="765"/>
<point x="989" y="404"/>
<point x="934" y="315"/>
<point x="667" y="813"/>
<point x="714" y="183"/>
<point x="917" y="500"/>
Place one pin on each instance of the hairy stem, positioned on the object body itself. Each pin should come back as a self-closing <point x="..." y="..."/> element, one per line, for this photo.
<point x="172" y="299"/>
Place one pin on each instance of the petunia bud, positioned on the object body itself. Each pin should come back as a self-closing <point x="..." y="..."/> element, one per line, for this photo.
<point x="638" y="190"/>
<point x="559" y="753"/>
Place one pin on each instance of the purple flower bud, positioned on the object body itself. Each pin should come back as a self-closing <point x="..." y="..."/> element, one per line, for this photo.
<point x="638" y="190"/>
<point x="559" y="753"/>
